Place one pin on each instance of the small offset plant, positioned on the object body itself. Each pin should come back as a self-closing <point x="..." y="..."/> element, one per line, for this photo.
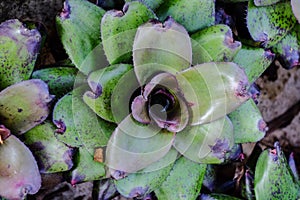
<point x="159" y="93"/>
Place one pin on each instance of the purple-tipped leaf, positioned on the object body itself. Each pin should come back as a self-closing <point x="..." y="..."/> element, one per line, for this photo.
<point x="213" y="90"/>
<point x="161" y="47"/>
<point x="19" y="173"/>
<point x="24" y="105"/>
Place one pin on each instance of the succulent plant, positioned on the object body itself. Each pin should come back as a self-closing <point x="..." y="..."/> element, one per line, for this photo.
<point x="24" y="104"/>
<point x="157" y="99"/>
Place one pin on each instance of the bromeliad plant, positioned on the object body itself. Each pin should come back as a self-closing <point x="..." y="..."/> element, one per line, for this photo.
<point x="169" y="88"/>
<point x="163" y="92"/>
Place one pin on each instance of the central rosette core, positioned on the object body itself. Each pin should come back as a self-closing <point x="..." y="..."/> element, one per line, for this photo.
<point x="161" y="102"/>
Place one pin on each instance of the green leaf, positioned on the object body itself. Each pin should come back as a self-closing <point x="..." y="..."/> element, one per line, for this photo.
<point x="77" y="124"/>
<point x="134" y="146"/>
<point x="118" y="29"/>
<point x="18" y="51"/>
<point x="52" y="156"/>
<point x="86" y="168"/>
<point x="248" y="123"/>
<point x="265" y="2"/>
<point x="152" y="4"/>
<point x="141" y="183"/>
<point x="288" y="49"/>
<point x="214" y="43"/>
<point x="208" y="143"/>
<point x="78" y="26"/>
<point x="60" y="80"/>
<point x="19" y="173"/>
<point x="102" y="83"/>
<point x="295" y="7"/>
<point x="154" y="49"/>
<point x="254" y="60"/>
<point x="269" y="24"/>
<point x="184" y="181"/>
<point x="273" y="178"/>
<point x="188" y="13"/>
<point x="24" y="105"/>
<point x="213" y="90"/>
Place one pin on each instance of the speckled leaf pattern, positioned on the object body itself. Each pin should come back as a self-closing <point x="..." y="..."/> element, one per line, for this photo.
<point x="102" y="83"/>
<point x="273" y="178"/>
<point x="118" y="29"/>
<point x="288" y="49"/>
<point x="269" y="24"/>
<point x="79" y="30"/>
<point x="213" y="89"/>
<point x="77" y="125"/>
<point x="86" y="168"/>
<point x="254" y="61"/>
<point x="183" y="182"/>
<point x="19" y="173"/>
<point x="152" y="4"/>
<point x="60" y="80"/>
<point x="188" y="13"/>
<point x="52" y="156"/>
<point x="295" y="7"/>
<point x="133" y="146"/>
<point x="24" y="105"/>
<point x="248" y="123"/>
<point x="214" y="43"/>
<point x="154" y="49"/>
<point x="145" y="181"/>
<point x="208" y="143"/>
<point x="18" y="51"/>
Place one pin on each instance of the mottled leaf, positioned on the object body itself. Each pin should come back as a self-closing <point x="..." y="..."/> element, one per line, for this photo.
<point x="273" y="178"/>
<point x="143" y="182"/>
<point x="102" y="83"/>
<point x="248" y="123"/>
<point x="60" y="80"/>
<point x="288" y="49"/>
<point x="51" y="155"/>
<point x="269" y="24"/>
<point x="86" y="168"/>
<point x="208" y="143"/>
<point x="213" y="89"/>
<point x="24" y="105"/>
<point x="184" y="181"/>
<point x="78" y="26"/>
<point x="118" y="29"/>
<point x="214" y="43"/>
<point x="154" y="49"/>
<point x="77" y="125"/>
<point x="254" y="60"/>
<point x="19" y="173"/>
<point x="188" y="13"/>
<point x="134" y="146"/>
<point x="19" y="47"/>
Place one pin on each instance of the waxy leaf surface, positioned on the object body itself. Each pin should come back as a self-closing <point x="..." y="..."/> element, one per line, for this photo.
<point x="24" y="105"/>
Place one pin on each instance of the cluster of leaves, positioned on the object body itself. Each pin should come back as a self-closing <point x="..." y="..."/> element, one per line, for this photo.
<point x="157" y="95"/>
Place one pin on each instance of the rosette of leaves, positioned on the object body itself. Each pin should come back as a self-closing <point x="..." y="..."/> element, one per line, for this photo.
<point x="176" y="94"/>
<point x="23" y="105"/>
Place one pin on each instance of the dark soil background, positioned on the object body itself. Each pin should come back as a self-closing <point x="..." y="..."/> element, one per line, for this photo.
<point x="279" y="99"/>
